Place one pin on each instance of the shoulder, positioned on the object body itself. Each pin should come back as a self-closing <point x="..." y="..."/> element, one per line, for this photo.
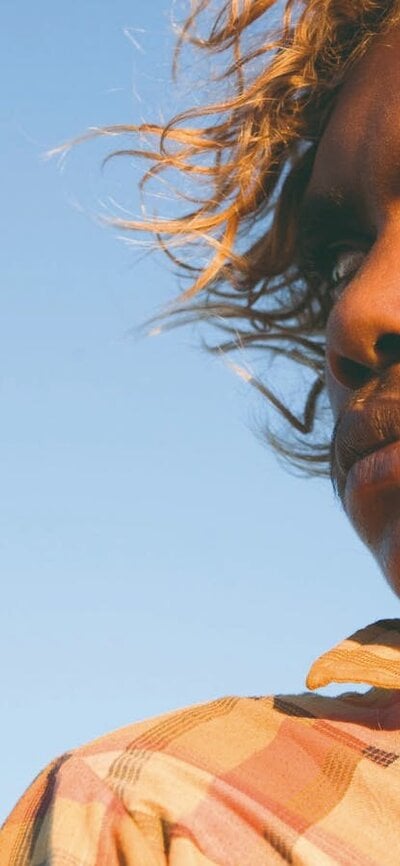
<point x="158" y="766"/>
<point x="123" y="792"/>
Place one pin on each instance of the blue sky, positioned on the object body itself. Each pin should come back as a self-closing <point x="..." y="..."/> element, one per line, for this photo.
<point x="152" y="551"/>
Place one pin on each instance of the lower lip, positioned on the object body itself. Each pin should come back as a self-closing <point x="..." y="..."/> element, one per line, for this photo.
<point x="381" y="468"/>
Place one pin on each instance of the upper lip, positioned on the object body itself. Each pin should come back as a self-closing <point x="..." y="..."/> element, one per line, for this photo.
<point x="362" y="430"/>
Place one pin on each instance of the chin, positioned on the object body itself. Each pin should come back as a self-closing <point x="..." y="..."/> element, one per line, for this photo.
<point x="387" y="555"/>
<point x="375" y="515"/>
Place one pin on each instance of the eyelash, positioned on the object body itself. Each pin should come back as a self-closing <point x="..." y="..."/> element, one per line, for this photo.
<point x="319" y="260"/>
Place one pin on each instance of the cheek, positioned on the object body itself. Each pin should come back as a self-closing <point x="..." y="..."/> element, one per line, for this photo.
<point x="337" y="393"/>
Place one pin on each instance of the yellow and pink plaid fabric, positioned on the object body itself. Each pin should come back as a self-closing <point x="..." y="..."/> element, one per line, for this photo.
<point x="306" y="780"/>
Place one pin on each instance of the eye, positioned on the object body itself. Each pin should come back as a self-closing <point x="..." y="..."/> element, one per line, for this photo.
<point x="345" y="264"/>
<point x="329" y="264"/>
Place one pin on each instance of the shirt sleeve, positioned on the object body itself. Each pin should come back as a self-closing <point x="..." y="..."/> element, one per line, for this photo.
<point x="70" y="817"/>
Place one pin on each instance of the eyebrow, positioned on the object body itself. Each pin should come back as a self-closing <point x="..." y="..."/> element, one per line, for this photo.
<point x="326" y="214"/>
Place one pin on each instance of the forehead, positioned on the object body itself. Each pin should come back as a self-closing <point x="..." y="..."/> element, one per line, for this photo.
<point x="359" y="152"/>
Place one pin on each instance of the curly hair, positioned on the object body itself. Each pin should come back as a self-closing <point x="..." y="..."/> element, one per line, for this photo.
<point x="248" y="155"/>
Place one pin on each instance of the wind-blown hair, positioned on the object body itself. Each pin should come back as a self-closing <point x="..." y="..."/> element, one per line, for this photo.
<point x="248" y="155"/>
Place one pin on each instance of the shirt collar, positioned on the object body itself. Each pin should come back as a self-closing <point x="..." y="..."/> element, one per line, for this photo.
<point x="370" y="655"/>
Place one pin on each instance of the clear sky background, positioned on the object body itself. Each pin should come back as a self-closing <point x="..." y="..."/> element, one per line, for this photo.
<point x="153" y="553"/>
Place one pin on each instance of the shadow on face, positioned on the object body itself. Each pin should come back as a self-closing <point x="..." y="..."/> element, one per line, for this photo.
<point x="356" y="175"/>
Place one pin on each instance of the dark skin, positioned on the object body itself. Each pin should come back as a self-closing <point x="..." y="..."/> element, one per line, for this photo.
<point x="357" y="169"/>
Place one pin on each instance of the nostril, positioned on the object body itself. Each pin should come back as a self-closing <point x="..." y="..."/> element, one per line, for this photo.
<point x="387" y="349"/>
<point x="350" y="373"/>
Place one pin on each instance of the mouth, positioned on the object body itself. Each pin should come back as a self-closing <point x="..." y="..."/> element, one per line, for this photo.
<point x="361" y="432"/>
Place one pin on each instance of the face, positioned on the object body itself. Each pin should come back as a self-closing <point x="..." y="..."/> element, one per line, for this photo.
<point x="354" y="194"/>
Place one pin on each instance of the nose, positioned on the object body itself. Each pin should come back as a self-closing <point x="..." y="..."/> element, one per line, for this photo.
<point x="363" y="333"/>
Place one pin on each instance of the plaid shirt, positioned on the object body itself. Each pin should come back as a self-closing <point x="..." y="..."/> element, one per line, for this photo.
<point x="303" y="779"/>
